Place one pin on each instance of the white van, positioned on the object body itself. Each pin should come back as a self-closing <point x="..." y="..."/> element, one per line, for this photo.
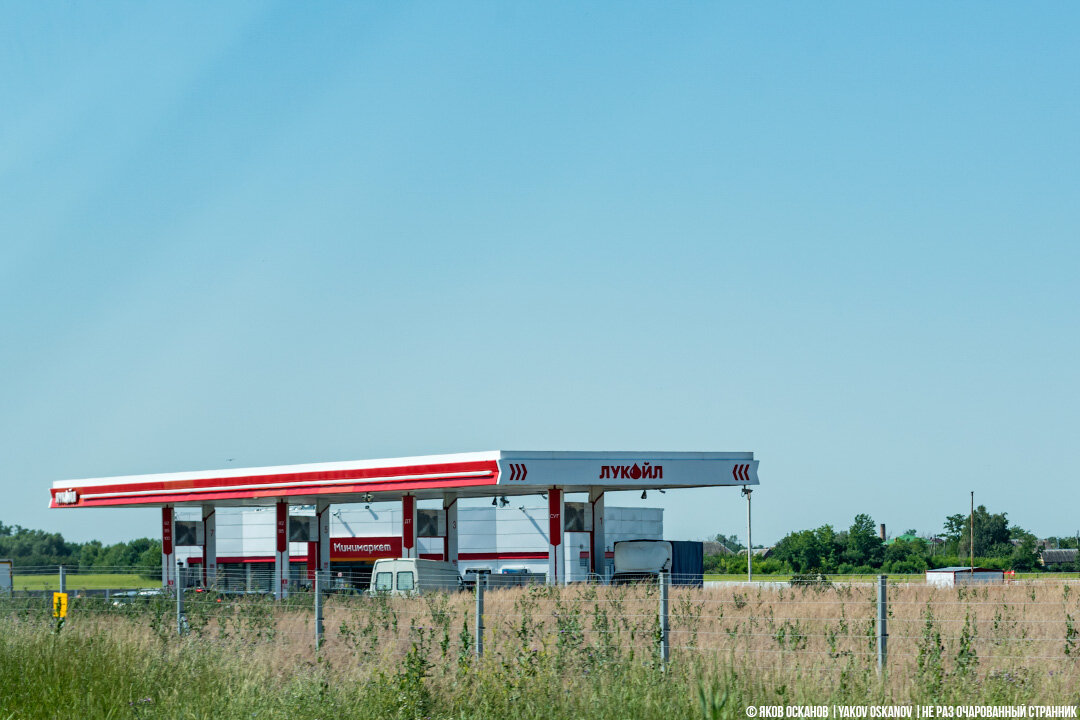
<point x="412" y="576"/>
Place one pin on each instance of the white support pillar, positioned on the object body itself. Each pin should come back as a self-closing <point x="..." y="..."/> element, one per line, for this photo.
<point x="599" y="545"/>
<point x="209" y="552"/>
<point x="450" y="510"/>
<point x="408" y="527"/>
<point x="556" y="546"/>
<point x="281" y="551"/>
<point x="168" y="550"/>
<point x="322" y="519"/>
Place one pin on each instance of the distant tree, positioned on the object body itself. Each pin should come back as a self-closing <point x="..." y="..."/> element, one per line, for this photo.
<point x="992" y="537"/>
<point x="1025" y="555"/>
<point x="35" y="547"/>
<point x="864" y="546"/>
<point x="906" y="556"/>
<point x="808" y="550"/>
<point x="955" y="526"/>
<point x="29" y="548"/>
<point x="150" y="556"/>
<point x="89" y="554"/>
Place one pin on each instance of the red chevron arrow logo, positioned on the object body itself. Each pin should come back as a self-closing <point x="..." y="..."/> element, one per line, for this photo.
<point x="518" y="471"/>
<point x="741" y="472"/>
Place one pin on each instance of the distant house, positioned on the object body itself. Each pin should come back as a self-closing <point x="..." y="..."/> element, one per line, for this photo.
<point x="712" y="547"/>
<point x="760" y="553"/>
<point x="1050" y="558"/>
<point x="951" y="576"/>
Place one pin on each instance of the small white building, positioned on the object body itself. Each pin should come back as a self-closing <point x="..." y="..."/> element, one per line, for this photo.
<point x="952" y="576"/>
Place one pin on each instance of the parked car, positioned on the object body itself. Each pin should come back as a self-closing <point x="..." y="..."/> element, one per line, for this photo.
<point x="413" y="576"/>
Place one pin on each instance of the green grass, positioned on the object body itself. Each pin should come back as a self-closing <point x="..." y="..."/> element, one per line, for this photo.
<point x="90" y="581"/>
<point x="919" y="577"/>
<point x="115" y="674"/>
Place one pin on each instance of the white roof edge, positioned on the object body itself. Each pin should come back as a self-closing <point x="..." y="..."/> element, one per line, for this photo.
<point x="281" y="469"/>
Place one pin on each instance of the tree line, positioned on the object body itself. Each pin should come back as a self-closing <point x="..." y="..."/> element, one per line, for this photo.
<point x="29" y="548"/>
<point x="860" y="550"/>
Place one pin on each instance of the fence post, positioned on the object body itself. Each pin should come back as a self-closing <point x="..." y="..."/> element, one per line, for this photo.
<point x="480" y="614"/>
<point x="318" y="611"/>
<point x="63" y="580"/>
<point x="665" y="648"/>
<point x="179" y="602"/>
<point x="882" y="623"/>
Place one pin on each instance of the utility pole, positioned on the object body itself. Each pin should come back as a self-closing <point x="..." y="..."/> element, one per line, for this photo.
<point x="749" y="542"/>
<point x="971" y="535"/>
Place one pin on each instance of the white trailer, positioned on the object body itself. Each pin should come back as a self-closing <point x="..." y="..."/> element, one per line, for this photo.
<point x="958" y="575"/>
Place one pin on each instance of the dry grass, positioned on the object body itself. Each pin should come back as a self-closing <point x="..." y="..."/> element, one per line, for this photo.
<point x="1003" y="644"/>
<point x="1018" y="630"/>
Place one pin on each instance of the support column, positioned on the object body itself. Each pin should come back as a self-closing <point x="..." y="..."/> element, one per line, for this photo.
<point x="168" y="551"/>
<point x="322" y="520"/>
<point x="209" y="548"/>
<point x="556" y="546"/>
<point x="312" y="560"/>
<point x="597" y="559"/>
<point x="408" y="526"/>
<point x="281" y="554"/>
<point x="450" y="510"/>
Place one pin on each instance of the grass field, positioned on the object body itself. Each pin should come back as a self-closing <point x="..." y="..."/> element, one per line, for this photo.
<point x="93" y="581"/>
<point x="919" y="577"/>
<point x="549" y="653"/>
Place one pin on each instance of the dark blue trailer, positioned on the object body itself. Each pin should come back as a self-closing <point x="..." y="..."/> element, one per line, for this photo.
<point x="687" y="563"/>
<point x="643" y="560"/>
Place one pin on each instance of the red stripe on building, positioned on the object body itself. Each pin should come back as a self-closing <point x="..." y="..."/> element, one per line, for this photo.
<point x="342" y="556"/>
<point x="306" y="490"/>
<point x="311" y="483"/>
<point x="503" y="556"/>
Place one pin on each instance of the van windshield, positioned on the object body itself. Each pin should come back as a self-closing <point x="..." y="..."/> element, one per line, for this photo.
<point x="384" y="581"/>
<point x="405" y="581"/>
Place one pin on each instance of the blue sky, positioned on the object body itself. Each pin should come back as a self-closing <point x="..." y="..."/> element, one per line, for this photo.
<point x="840" y="235"/>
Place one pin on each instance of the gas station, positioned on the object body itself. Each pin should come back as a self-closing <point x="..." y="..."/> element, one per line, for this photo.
<point x="443" y="479"/>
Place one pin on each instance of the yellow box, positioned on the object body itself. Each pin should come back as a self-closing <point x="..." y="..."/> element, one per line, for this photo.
<point x="59" y="604"/>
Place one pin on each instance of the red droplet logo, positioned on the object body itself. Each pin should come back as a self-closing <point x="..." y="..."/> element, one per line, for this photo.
<point x="635" y="472"/>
